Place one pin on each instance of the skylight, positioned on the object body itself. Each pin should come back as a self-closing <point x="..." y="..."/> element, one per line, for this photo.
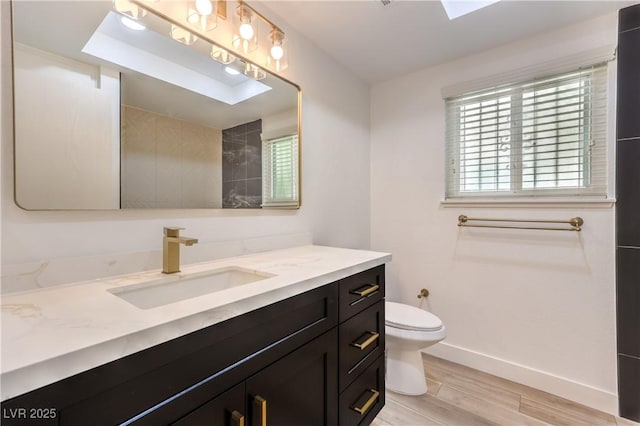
<point x="457" y="8"/>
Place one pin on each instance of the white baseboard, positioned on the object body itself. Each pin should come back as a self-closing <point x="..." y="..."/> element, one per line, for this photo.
<point x="592" y="397"/>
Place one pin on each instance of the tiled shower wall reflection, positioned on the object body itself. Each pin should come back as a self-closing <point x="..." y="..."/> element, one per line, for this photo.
<point x="242" y="166"/>
<point x="169" y="163"/>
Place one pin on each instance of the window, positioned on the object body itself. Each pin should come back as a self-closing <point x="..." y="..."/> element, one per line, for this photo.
<point x="539" y="138"/>
<point x="280" y="172"/>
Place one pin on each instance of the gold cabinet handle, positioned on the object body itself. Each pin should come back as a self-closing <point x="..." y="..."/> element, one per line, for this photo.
<point x="237" y="419"/>
<point x="367" y="405"/>
<point x="373" y="336"/>
<point x="260" y="411"/>
<point x="365" y="290"/>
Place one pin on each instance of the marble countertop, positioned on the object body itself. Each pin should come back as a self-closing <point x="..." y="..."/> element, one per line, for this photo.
<point x="53" y="333"/>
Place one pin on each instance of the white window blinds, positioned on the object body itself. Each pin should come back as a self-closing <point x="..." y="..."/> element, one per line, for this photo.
<point x="539" y="138"/>
<point x="280" y="172"/>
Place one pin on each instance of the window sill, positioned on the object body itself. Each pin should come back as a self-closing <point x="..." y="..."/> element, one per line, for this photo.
<point x="595" y="203"/>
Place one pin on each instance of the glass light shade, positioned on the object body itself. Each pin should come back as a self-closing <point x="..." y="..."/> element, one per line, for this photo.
<point x="245" y="32"/>
<point x="202" y="14"/>
<point x="182" y="35"/>
<point x="129" y="9"/>
<point x="221" y="55"/>
<point x="277" y="58"/>
<point x="255" y="72"/>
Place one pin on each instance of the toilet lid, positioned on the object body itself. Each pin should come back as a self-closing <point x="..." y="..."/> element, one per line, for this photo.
<point x="407" y="317"/>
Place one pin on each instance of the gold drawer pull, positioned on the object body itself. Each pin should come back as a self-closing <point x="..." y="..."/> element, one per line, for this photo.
<point x="365" y="290"/>
<point x="237" y="419"/>
<point x="260" y="411"/>
<point x="367" y="405"/>
<point x="372" y="338"/>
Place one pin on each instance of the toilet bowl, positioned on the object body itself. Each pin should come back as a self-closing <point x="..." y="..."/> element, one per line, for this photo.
<point x="408" y="330"/>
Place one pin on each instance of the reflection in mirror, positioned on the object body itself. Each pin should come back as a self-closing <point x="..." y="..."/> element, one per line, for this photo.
<point x="109" y="115"/>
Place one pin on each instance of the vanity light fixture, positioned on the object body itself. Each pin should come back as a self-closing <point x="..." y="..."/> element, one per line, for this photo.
<point x="245" y="34"/>
<point x="245" y="37"/>
<point x="129" y="9"/>
<point x="221" y="55"/>
<point x="277" y="59"/>
<point x="254" y="72"/>
<point x="246" y="28"/>
<point x="203" y="15"/>
<point x="181" y="35"/>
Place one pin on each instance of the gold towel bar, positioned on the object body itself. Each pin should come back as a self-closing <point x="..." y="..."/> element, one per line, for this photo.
<point x="575" y="222"/>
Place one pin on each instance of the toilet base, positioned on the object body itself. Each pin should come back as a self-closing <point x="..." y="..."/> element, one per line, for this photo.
<point x="405" y="372"/>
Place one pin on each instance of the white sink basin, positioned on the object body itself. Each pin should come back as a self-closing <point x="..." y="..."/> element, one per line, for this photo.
<point x="174" y="288"/>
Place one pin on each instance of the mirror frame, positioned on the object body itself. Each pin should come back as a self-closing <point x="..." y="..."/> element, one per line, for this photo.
<point x="150" y="9"/>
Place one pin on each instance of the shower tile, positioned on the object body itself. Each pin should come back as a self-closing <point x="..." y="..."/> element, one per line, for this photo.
<point x="234" y="195"/>
<point x="254" y="192"/>
<point x="628" y="193"/>
<point x="628" y="295"/>
<point x="629" y="18"/>
<point x="232" y="158"/>
<point x="253" y="156"/>
<point x="242" y="160"/>
<point x="628" y="85"/>
<point x="629" y="387"/>
<point x="254" y="126"/>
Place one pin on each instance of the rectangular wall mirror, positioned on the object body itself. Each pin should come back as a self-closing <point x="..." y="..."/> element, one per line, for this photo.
<point x="109" y="115"/>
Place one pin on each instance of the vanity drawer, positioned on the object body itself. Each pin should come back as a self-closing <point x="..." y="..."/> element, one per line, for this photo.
<point x="360" y="291"/>
<point x="365" y="397"/>
<point x="362" y="340"/>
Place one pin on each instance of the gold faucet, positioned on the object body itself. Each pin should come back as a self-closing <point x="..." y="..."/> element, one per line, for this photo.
<point x="171" y="249"/>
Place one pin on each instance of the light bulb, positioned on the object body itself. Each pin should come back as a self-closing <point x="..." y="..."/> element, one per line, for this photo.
<point x="246" y="31"/>
<point x="202" y="15"/>
<point x="277" y="52"/>
<point x="204" y="7"/>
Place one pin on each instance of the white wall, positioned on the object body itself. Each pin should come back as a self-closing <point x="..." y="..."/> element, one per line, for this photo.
<point x="335" y="179"/>
<point x="280" y="124"/>
<point x="71" y="141"/>
<point x="528" y="305"/>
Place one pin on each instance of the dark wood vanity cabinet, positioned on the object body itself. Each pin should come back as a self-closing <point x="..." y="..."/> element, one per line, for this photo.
<point x="313" y="359"/>
<point x="295" y="390"/>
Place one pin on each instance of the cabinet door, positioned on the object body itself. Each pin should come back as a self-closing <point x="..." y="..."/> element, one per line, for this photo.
<point x="225" y="410"/>
<point x="300" y="389"/>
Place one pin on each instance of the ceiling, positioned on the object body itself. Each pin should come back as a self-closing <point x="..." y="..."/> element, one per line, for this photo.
<point x="378" y="42"/>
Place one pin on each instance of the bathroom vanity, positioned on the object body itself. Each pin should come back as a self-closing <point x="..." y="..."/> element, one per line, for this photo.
<point x="304" y="346"/>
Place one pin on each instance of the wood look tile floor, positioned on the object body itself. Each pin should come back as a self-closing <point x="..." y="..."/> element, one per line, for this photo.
<point x="462" y="396"/>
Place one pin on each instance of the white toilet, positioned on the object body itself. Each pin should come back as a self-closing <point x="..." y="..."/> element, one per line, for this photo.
<point x="409" y="329"/>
